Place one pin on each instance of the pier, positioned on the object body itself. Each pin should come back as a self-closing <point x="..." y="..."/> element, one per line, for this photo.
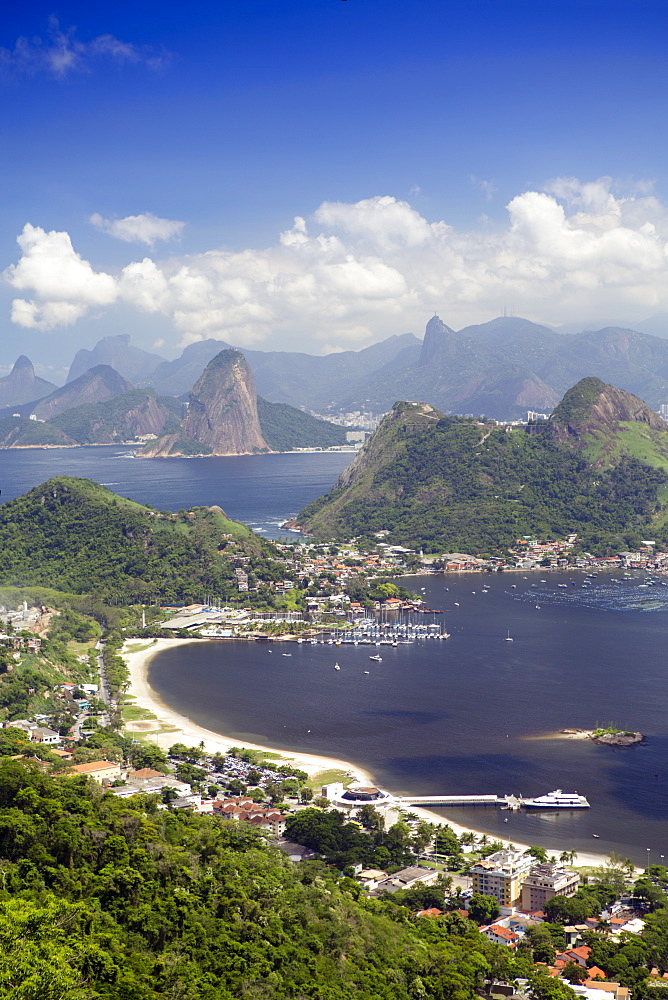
<point x="451" y="800"/>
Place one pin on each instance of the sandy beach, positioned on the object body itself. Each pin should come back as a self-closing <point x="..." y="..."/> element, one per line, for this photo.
<point x="171" y="727"/>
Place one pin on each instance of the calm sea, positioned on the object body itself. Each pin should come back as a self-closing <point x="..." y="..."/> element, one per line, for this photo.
<point x="260" y="490"/>
<point x="472" y="715"/>
<point x="467" y="715"/>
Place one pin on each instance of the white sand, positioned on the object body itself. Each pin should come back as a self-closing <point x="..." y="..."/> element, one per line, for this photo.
<point x="183" y="730"/>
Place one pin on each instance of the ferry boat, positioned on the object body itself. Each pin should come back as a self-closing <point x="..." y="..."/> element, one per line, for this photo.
<point x="557" y="800"/>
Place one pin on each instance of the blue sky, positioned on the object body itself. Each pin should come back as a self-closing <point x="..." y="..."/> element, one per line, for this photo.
<point x="399" y="134"/>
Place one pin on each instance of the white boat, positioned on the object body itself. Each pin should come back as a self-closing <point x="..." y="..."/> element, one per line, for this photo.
<point x="509" y="638"/>
<point x="336" y="666"/>
<point x="378" y="659"/>
<point x="557" y="800"/>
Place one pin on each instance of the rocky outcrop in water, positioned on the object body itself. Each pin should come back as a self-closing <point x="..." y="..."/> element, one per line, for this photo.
<point x="222" y="417"/>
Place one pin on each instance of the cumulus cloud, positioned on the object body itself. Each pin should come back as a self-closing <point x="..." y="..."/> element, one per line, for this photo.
<point x="355" y="272"/>
<point x="62" y="53"/>
<point x="64" y="285"/>
<point x="147" y="228"/>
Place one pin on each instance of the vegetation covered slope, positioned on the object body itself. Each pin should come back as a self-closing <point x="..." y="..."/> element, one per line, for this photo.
<point x="455" y="484"/>
<point x="138" y="411"/>
<point x="74" y="535"/>
<point x="104" y="898"/>
<point x="285" y="427"/>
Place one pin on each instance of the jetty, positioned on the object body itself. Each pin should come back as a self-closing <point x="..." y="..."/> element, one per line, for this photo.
<point x="452" y="800"/>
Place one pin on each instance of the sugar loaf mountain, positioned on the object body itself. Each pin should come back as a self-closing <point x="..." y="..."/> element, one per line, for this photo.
<point x="224" y="415"/>
<point x="597" y="467"/>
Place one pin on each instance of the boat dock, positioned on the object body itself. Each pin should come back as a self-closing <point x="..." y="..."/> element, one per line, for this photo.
<point x="451" y="800"/>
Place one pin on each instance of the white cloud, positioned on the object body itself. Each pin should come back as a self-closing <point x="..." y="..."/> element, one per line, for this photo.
<point x="65" y="285"/>
<point x="356" y="272"/>
<point x="62" y="53"/>
<point x="147" y="228"/>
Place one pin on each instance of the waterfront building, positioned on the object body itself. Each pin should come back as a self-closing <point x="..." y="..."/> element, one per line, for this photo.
<point x="545" y="881"/>
<point x="501" y="875"/>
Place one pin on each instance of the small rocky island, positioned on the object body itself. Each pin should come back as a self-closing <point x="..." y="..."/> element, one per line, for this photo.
<point x="608" y="737"/>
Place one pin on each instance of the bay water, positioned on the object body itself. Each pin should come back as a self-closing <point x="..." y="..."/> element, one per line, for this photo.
<point x="475" y="714"/>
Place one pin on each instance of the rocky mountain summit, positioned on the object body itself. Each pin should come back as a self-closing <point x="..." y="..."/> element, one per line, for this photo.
<point x="22" y="385"/>
<point x="222" y="416"/>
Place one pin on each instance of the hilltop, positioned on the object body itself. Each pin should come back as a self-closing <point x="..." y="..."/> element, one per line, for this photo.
<point x="76" y="536"/>
<point x="459" y="484"/>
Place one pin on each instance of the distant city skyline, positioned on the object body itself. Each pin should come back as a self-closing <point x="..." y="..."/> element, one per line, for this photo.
<point x="320" y="175"/>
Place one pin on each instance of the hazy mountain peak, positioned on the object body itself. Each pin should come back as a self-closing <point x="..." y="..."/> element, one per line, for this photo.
<point x="116" y="351"/>
<point x="22" y="364"/>
<point x="435" y="336"/>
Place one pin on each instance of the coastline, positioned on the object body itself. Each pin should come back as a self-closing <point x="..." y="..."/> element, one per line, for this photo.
<point x="180" y="729"/>
<point x="171" y="727"/>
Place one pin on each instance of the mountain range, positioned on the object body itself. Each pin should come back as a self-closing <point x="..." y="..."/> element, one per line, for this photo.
<point x="223" y="415"/>
<point x="501" y="369"/>
<point x="598" y="467"/>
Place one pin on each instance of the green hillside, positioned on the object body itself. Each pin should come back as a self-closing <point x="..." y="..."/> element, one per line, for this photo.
<point x="285" y="427"/>
<point x="105" y="899"/>
<point x="456" y="484"/>
<point x="77" y="536"/>
<point x="19" y="432"/>
<point x="119" y="419"/>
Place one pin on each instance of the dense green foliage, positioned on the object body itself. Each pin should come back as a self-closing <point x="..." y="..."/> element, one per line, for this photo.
<point x="77" y="536"/>
<point x="285" y="427"/>
<point x="576" y="404"/>
<point x="103" y="898"/>
<point x="19" y="432"/>
<point x="455" y="485"/>
<point x="113" y="420"/>
<point x="343" y="843"/>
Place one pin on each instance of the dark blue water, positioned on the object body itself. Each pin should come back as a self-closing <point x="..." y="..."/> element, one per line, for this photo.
<point x="260" y="490"/>
<point x="456" y="716"/>
<point x="470" y="715"/>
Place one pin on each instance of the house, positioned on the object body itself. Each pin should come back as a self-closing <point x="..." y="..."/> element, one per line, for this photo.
<point x="102" y="771"/>
<point x="578" y="955"/>
<point x="501" y="935"/>
<point x="271" y="820"/>
<point x="407" y="878"/>
<point x="370" y="878"/>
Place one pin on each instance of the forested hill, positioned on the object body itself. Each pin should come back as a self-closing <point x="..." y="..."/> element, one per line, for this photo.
<point x="460" y="485"/>
<point x="76" y="536"/>
<point x="106" y="899"/>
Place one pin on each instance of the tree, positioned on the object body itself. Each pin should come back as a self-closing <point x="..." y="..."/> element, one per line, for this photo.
<point x="13" y="741"/>
<point x="236" y="787"/>
<point x="149" y="755"/>
<point x="483" y="909"/>
<point x="423" y="835"/>
<point x="542" y="945"/>
<point x="537" y="852"/>
<point x="544" y="987"/>
<point x="369" y="817"/>
<point x="306" y="794"/>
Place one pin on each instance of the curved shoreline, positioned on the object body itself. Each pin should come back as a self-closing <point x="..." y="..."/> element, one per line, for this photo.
<point x="171" y="727"/>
